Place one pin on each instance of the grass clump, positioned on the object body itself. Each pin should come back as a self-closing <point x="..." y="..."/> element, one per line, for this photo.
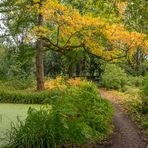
<point x="77" y="117"/>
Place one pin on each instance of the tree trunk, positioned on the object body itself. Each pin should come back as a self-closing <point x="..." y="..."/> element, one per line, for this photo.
<point x="39" y="56"/>
<point x="78" y="69"/>
<point x="70" y="71"/>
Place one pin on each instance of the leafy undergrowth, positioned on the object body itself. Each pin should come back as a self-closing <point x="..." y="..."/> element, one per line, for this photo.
<point x="53" y="89"/>
<point x="131" y="103"/>
<point x="76" y="117"/>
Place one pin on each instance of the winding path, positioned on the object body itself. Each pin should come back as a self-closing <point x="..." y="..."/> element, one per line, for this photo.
<point x="126" y="135"/>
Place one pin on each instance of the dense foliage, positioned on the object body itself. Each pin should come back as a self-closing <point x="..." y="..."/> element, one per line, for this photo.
<point x="136" y="15"/>
<point x="136" y="81"/>
<point x="27" y="97"/>
<point x="114" y="77"/>
<point x="79" y="116"/>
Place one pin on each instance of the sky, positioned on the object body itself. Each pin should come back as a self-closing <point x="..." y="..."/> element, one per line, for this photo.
<point x="1" y="23"/>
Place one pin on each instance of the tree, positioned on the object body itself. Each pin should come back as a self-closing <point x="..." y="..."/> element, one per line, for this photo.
<point x="19" y="22"/>
<point x="39" y="52"/>
<point x="136" y="16"/>
<point x="57" y="26"/>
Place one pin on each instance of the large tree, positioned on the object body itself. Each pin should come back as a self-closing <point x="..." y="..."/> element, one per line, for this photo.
<point x="56" y="25"/>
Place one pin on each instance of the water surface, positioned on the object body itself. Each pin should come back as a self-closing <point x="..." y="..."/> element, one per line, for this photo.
<point x="9" y="113"/>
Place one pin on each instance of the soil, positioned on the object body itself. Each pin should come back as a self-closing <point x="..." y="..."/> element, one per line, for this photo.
<point x="126" y="134"/>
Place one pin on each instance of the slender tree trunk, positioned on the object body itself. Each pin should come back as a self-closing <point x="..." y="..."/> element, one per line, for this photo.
<point x="78" y="69"/>
<point x="39" y="57"/>
<point x="71" y="71"/>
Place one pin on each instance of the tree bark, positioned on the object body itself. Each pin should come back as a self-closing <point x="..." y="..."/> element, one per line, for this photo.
<point x="39" y="56"/>
<point x="70" y="71"/>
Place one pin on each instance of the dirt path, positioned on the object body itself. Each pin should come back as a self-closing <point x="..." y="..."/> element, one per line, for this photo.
<point x="126" y="135"/>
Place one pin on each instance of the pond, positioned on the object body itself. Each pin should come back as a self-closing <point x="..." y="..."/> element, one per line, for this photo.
<point x="9" y="113"/>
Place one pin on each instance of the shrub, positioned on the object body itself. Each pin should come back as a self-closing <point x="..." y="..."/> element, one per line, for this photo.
<point x="141" y="70"/>
<point x="79" y="116"/>
<point x="131" y="90"/>
<point x="54" y="88"/>
<point x="144" y="95"/>
<point x="114" y="77"/>
<point x="28" y="97"/>
<point x="136" y="80"/>
<point x="19" y="84"/>
<point x="59" y="82"/>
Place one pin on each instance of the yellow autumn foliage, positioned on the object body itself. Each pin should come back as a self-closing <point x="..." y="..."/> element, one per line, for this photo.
<point x="57" y="83"/>
<point x="60" y="83"/>
<point x="76" y="81"/>
<point x="73" y="28"/>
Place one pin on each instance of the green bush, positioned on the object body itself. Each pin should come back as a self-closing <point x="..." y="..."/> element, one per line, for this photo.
<point x="132" y="90"/>
<point x="141" y="70"/>
<point x="114" y="77"/>
<point x="28" y="97"/>
<point x="145" y="95"/>
<point x="78" y="117"/>
<point x="136" y="80"/>
<point x="133" y="85"/>
<point x="19" y="84"/>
